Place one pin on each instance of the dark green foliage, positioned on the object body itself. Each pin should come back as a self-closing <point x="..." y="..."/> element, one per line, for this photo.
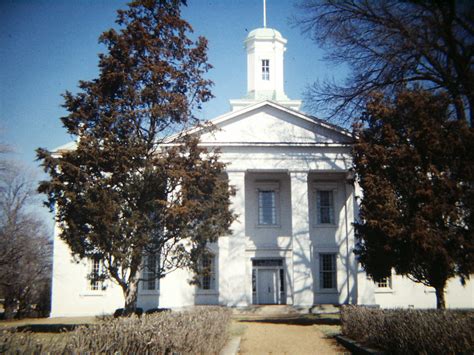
<point x="132" y="186"/>
<point x="405" y="331"/>
<point x="416" y="170"/>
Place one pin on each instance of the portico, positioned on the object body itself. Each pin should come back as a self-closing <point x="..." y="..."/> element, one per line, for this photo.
<point x="280" y="240"/>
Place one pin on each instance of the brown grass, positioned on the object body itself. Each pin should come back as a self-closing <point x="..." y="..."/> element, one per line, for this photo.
<point x="202" y="330"/>
<point x="409" y="331"/>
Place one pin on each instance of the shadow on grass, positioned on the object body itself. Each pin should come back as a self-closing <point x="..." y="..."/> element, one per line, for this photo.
<point x="295" y="320"/>
<point x="48" y="328"/>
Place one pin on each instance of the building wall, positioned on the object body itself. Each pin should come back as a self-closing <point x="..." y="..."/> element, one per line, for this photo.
<point x="70" y="292"/>
<point x="298" y="240"/>
<point x="404" y="293"/>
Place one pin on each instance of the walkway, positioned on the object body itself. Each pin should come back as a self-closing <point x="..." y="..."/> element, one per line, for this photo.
<point x="288" y="334"/>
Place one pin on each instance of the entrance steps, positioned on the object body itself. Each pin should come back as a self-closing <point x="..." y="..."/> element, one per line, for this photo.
<point x="324" y="308"/>
<point x="279" y="310"/>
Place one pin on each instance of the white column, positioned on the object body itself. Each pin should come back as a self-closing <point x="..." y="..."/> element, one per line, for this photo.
<point x="351" y="272"/>
<point x="303" y="294"/>
<point x="232" y="271"/>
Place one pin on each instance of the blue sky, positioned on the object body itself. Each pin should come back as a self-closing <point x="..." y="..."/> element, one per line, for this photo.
<point x="47" y="46"/>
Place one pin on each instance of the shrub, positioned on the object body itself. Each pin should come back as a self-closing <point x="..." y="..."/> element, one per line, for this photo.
<point x="157" y="310"/>
<point x="12" y="342"/>
<point x="201" y="330"/>
<point x="409" y="331"/>
<point x="120" y="312"/>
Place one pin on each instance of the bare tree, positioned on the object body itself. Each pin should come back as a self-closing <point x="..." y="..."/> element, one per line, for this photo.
<point x="388" y="46"/>
<point x="25" y="249"/>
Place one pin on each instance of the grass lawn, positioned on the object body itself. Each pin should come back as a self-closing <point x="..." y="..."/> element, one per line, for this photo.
<point x="237" y="329"/>
<point x="46" y="330"/>
<point x="46" y="321"/>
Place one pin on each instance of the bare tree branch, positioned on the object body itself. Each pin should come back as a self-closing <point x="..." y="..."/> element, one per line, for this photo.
<point x="389" y="46"/>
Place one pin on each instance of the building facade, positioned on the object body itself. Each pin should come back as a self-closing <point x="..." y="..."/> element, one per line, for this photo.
<point x="293" y="240"/>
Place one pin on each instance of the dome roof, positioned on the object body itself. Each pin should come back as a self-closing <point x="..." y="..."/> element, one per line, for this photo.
<point x="265" y="33"/>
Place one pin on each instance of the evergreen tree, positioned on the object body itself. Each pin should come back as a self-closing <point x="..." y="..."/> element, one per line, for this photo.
<point x="132" y="186"/>
<point x="416" y="169"/>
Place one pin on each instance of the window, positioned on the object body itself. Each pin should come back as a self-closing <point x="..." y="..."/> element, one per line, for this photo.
<point x="254" y="286"/>
<point x="325" y="206"/>
<point x="208" y="270"/>
<point x="384" y="285"/>
<point x="267" y="214"/>
<point x="265" y="69"/>
<point x="268" y="202"/>
<point x="282" y="283"/>
<point x="386" y="282"/>
<point x="95" y="282"/>
<point x="327" y="271"/>
<point x="150" y="280"/>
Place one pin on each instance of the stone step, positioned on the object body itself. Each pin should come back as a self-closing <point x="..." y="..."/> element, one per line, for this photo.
<point x="285" y="309"/>
<point x="324" y="308"/>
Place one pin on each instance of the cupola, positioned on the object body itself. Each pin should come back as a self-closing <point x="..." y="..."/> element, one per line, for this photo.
<point x="265" y="80"/>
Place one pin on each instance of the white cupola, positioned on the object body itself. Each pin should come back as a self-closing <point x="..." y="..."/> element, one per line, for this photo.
<point x="265" y="81"/>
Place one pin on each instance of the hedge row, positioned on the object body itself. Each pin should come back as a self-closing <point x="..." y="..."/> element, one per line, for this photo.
<point x="202" y="330"/>
<point x="409" y="331"/>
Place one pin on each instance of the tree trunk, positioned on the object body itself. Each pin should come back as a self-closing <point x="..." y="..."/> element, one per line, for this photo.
<point x="440" y="302"/>
<point x="471" y="111"/>
<point x="460" y="109"/>
<point x="10" y="307"/>
<point x="130" y="295"/>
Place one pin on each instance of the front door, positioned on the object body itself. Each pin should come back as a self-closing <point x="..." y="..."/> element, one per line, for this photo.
<point x="267" y="286"/>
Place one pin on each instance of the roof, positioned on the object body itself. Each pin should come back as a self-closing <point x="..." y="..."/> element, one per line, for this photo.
<point x="265" y="33"/>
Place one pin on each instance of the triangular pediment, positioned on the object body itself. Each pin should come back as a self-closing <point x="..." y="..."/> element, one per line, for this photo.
<point x="266" y="122"/>
<point x="269" y="122"/>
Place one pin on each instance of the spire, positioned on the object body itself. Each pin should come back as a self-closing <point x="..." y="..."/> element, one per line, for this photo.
<point x="264" y="14"/>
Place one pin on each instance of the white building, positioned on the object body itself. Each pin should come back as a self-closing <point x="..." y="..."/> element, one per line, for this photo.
<point x="293" y="241"/>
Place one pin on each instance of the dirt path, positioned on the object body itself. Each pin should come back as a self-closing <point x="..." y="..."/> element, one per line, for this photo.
<point x="280" y="338"/>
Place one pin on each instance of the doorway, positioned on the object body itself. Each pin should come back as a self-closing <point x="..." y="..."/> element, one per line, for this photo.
<point x="268" y="285"/>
